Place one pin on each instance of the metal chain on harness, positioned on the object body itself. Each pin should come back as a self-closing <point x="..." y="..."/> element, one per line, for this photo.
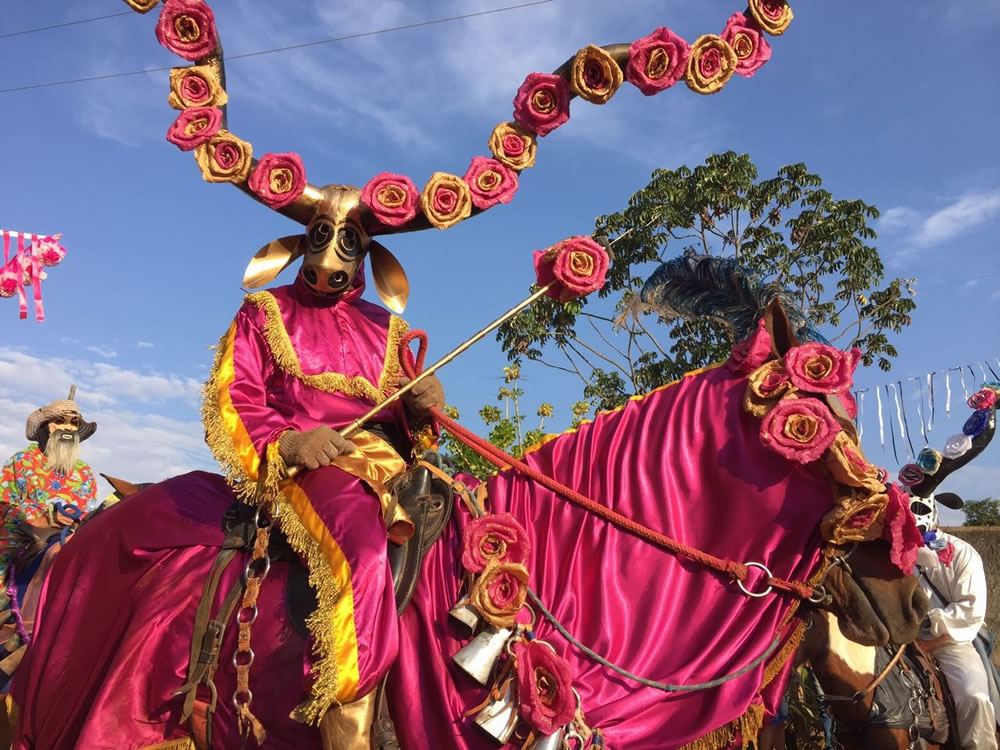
<point x="917" y="704"/>
<point x="254" y="573"/>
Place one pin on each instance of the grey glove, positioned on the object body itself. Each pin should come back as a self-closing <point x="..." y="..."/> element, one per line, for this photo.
<point x="313" y="448"/>
<point x="424" y="396"/>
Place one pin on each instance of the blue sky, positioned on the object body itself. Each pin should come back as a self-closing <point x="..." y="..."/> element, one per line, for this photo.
<point x="897" y="108"/>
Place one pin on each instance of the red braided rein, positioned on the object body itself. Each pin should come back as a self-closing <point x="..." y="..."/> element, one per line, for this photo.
<point x="737" y="571"/>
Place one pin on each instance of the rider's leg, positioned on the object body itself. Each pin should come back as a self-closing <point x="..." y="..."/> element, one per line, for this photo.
<point x="967" y="680"/>
<point x="348" y="727"/>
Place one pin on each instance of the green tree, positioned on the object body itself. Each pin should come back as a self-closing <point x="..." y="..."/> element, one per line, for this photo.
<point x="785" y="229"/>
<point x="982" y="512"/>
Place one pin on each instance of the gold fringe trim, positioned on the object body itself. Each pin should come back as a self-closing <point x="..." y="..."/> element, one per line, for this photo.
<point x="183" y="744"/>
<point x="747" y="727"/>
<point x="329" y="382"/>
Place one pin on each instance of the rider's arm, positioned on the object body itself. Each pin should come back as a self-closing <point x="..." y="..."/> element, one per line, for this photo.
<point x="964" y="616"/>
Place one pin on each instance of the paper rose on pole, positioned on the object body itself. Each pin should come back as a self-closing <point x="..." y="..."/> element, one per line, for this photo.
<point x="49" y="250"/>
<point x="494" y="537"/>
<point x="799" y="429"/>
<point x="957" y="446"/>
<point x="574" y="267"/>
<point x="910" y="475"/>
<point x="8" y="281"/>
<point x="278" y="179"/>
<point x="499" y="592"/>
<point x="392" y="198"/>
<point x="749" y="44"/>
<point x="490" y="182"/>
<point x="984" y="399"/>
<point x="545" y="686"/>
<point x="196" y="86"/>
<point x="445" y="200"/>
<point x="513" y="145"/>
<point x="187" y="28"/>
<point x="141" y="6"/>
<point x="710" y="65"/>
<point x="195" y="127"/>
<point x="542" y="103"/>
<point x="976" y="422"/>
<point x="658" y="61"/>
<point x="594" y="75"/>
<point x="772" y="15"/>
<point x="225" y="158"/>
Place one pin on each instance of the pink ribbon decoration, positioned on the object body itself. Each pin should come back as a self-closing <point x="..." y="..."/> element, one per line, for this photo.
<point x="36" y="278"/>
<point x="19" y="269"/>
<point x="25" y="268"/>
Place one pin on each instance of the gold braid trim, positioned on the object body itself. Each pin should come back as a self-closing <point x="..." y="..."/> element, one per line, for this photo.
<point x="329" y="382"/>
<point x="182" y="744"/>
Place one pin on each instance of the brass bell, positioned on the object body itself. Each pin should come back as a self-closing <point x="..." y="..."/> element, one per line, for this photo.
<point x="465" y="614"/>
<point x="477" y="657"/>
<point x="552" y="741"/>
<point x="499" y="718"/>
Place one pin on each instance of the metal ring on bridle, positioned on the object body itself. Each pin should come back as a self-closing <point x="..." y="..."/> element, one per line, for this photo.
<point x="819" y="595"/>
<point x="756" y="595"/>
<point x="236" y="698"/>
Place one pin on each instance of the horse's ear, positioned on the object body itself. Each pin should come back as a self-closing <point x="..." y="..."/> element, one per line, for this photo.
<point x="121" y="487"/>
<point x="782" y="336"/>
<point x="950" y="500"/>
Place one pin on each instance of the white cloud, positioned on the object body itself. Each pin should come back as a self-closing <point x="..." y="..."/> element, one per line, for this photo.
<point x="144" y="344"/>
<point x="995" y="296"/>
<point x="970" y="284"/>
<point x="103" y="351"/>
<point x="896" y="218"/>
<point x="960" y="216"/>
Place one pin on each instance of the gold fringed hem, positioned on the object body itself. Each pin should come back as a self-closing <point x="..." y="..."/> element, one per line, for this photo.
<point x="182" y="744"/>
<point x="747" y="727"/>
<point x="329" y="382"/>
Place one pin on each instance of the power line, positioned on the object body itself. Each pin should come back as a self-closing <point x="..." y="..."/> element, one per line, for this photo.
<point x="62" y="25"/>
<point x="276" y="50"/>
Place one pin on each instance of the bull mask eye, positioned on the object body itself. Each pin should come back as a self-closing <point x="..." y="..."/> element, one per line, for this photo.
<point x="320" y="235"/>
<point x="920" y="508"/>
<point x="348" y="242"/>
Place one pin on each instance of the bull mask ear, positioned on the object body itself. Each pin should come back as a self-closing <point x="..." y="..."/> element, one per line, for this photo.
<point x="950" y="500"/>
<point x="390" y="279"/>
<point x="271" y="260"/>
<point x="782" y="336"/>
<point x="122" y="488"/>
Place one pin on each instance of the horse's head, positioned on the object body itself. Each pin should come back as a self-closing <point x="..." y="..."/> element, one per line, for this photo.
<point x="874" y="603"/>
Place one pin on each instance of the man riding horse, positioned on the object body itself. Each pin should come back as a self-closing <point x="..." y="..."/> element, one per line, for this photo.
<point x="45" y="490"/>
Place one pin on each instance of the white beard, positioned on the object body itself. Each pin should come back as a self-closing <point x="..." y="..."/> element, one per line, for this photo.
<point x="61" y="454"/>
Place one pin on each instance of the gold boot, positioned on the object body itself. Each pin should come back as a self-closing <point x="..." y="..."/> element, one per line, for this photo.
<point x="349" y="727"/>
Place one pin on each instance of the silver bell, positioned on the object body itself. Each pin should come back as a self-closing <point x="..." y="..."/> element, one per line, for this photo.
<point x="466" y="614"/>
<point x="499" y="718"/>
<point x="552" y="741"/>
<point x="477" y="657"/>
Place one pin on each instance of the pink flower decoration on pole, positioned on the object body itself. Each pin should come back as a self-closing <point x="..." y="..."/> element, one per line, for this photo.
<point x="984" y="399"/>
<point x="751" y="352"/>
<point x="542" y="103"/>
<point x="194" y="127"/>
<point x="911" y="475"/>
<point x="900" y="529"/>
<point x="799" y="429"/>
<point x="748" y="42"/>
<point x="187" y="28"/>
<point x="819" y="368"/>
<point x="545" y="686"/>
<point x="278" y="179"/>
<point x="494" y="537"/>
<point x="8" y="281"/>
<point x="49" y="251"/>
<point x="392" y="198"/>
<point x="658" y="61"/>
<point x="578" y="266"/>
<point x="490" y="182"/>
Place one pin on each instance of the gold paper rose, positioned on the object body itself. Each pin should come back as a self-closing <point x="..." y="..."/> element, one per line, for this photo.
<point x="595" y="76"/>
<point x="225" y="158"/>
<point x="513" y="145"/>
<point x="766" y="385"/>
<point x="855" y="518"/>
<point x="499" y="592"/>
<point x="141" y="6"/>
<point x="848" y="465"/>
<point x="711" y="64"/>
<point x="445" y="200"/>
<point x="773" y="16"/>
<point x="196" y="86"/>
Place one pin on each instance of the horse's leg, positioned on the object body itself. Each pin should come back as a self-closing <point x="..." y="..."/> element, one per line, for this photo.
<point x="349" y="726"/>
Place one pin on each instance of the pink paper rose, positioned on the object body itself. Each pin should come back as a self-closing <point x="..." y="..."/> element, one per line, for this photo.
<point x="911" y="475"/>
<point x="800" y="429"/>
<point x="278" y="179"/>
<point x="656" y="62"/>
<point x="49" y="251"/>
<point x="499" y="592"/>
<point x="187" y="28"/>
<point x="984" y="399"/>
<point x="194" y="127"/>
<point x="578" y="265"/>
<point x="901" y="530"/>
<point x="748" y="42"/>
<point x="8" y="282"/>
<point x="545" y="686"/>
<point x="490" y="182"/>
<point x="497" y="536"/>
<point x="392" y="198"/>
<point x="542" y="103"/>
<point x="819" y="368"/>
<point x="751" y="352"/>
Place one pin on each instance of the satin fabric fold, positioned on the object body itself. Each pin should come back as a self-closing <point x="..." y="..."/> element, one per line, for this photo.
<point x="687" y="461"/>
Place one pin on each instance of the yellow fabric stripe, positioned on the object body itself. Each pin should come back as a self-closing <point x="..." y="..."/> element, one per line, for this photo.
<point x="225" y="377"/>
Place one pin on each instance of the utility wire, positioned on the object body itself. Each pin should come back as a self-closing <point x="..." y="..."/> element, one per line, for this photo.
<point x="275" y="50"/>
<point x="62" y="25"/>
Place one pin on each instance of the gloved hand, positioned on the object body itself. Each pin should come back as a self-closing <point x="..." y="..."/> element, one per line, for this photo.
<point x="313" y="448"/>
<point x="425" y="395"/>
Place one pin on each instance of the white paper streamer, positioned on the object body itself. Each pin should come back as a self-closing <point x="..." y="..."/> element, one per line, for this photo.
<point x="965" y="389"/>
<point x="920" y="410"/>
<point x="982" y="370"/>
<point x="947" y="397"/>
<point x="930" y="401"/>
<point x="881" y="425"/>
<point x="861" y="413"/>
<point x="899" y="418"/>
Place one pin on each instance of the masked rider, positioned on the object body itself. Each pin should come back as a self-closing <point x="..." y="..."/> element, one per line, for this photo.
<point x="45" y="490"/>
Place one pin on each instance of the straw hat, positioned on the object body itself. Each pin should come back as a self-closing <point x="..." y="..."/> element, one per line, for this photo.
<point x="65" y="408"/>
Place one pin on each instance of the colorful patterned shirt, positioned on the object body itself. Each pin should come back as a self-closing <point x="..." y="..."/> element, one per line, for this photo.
<point x="28" y="490"/>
